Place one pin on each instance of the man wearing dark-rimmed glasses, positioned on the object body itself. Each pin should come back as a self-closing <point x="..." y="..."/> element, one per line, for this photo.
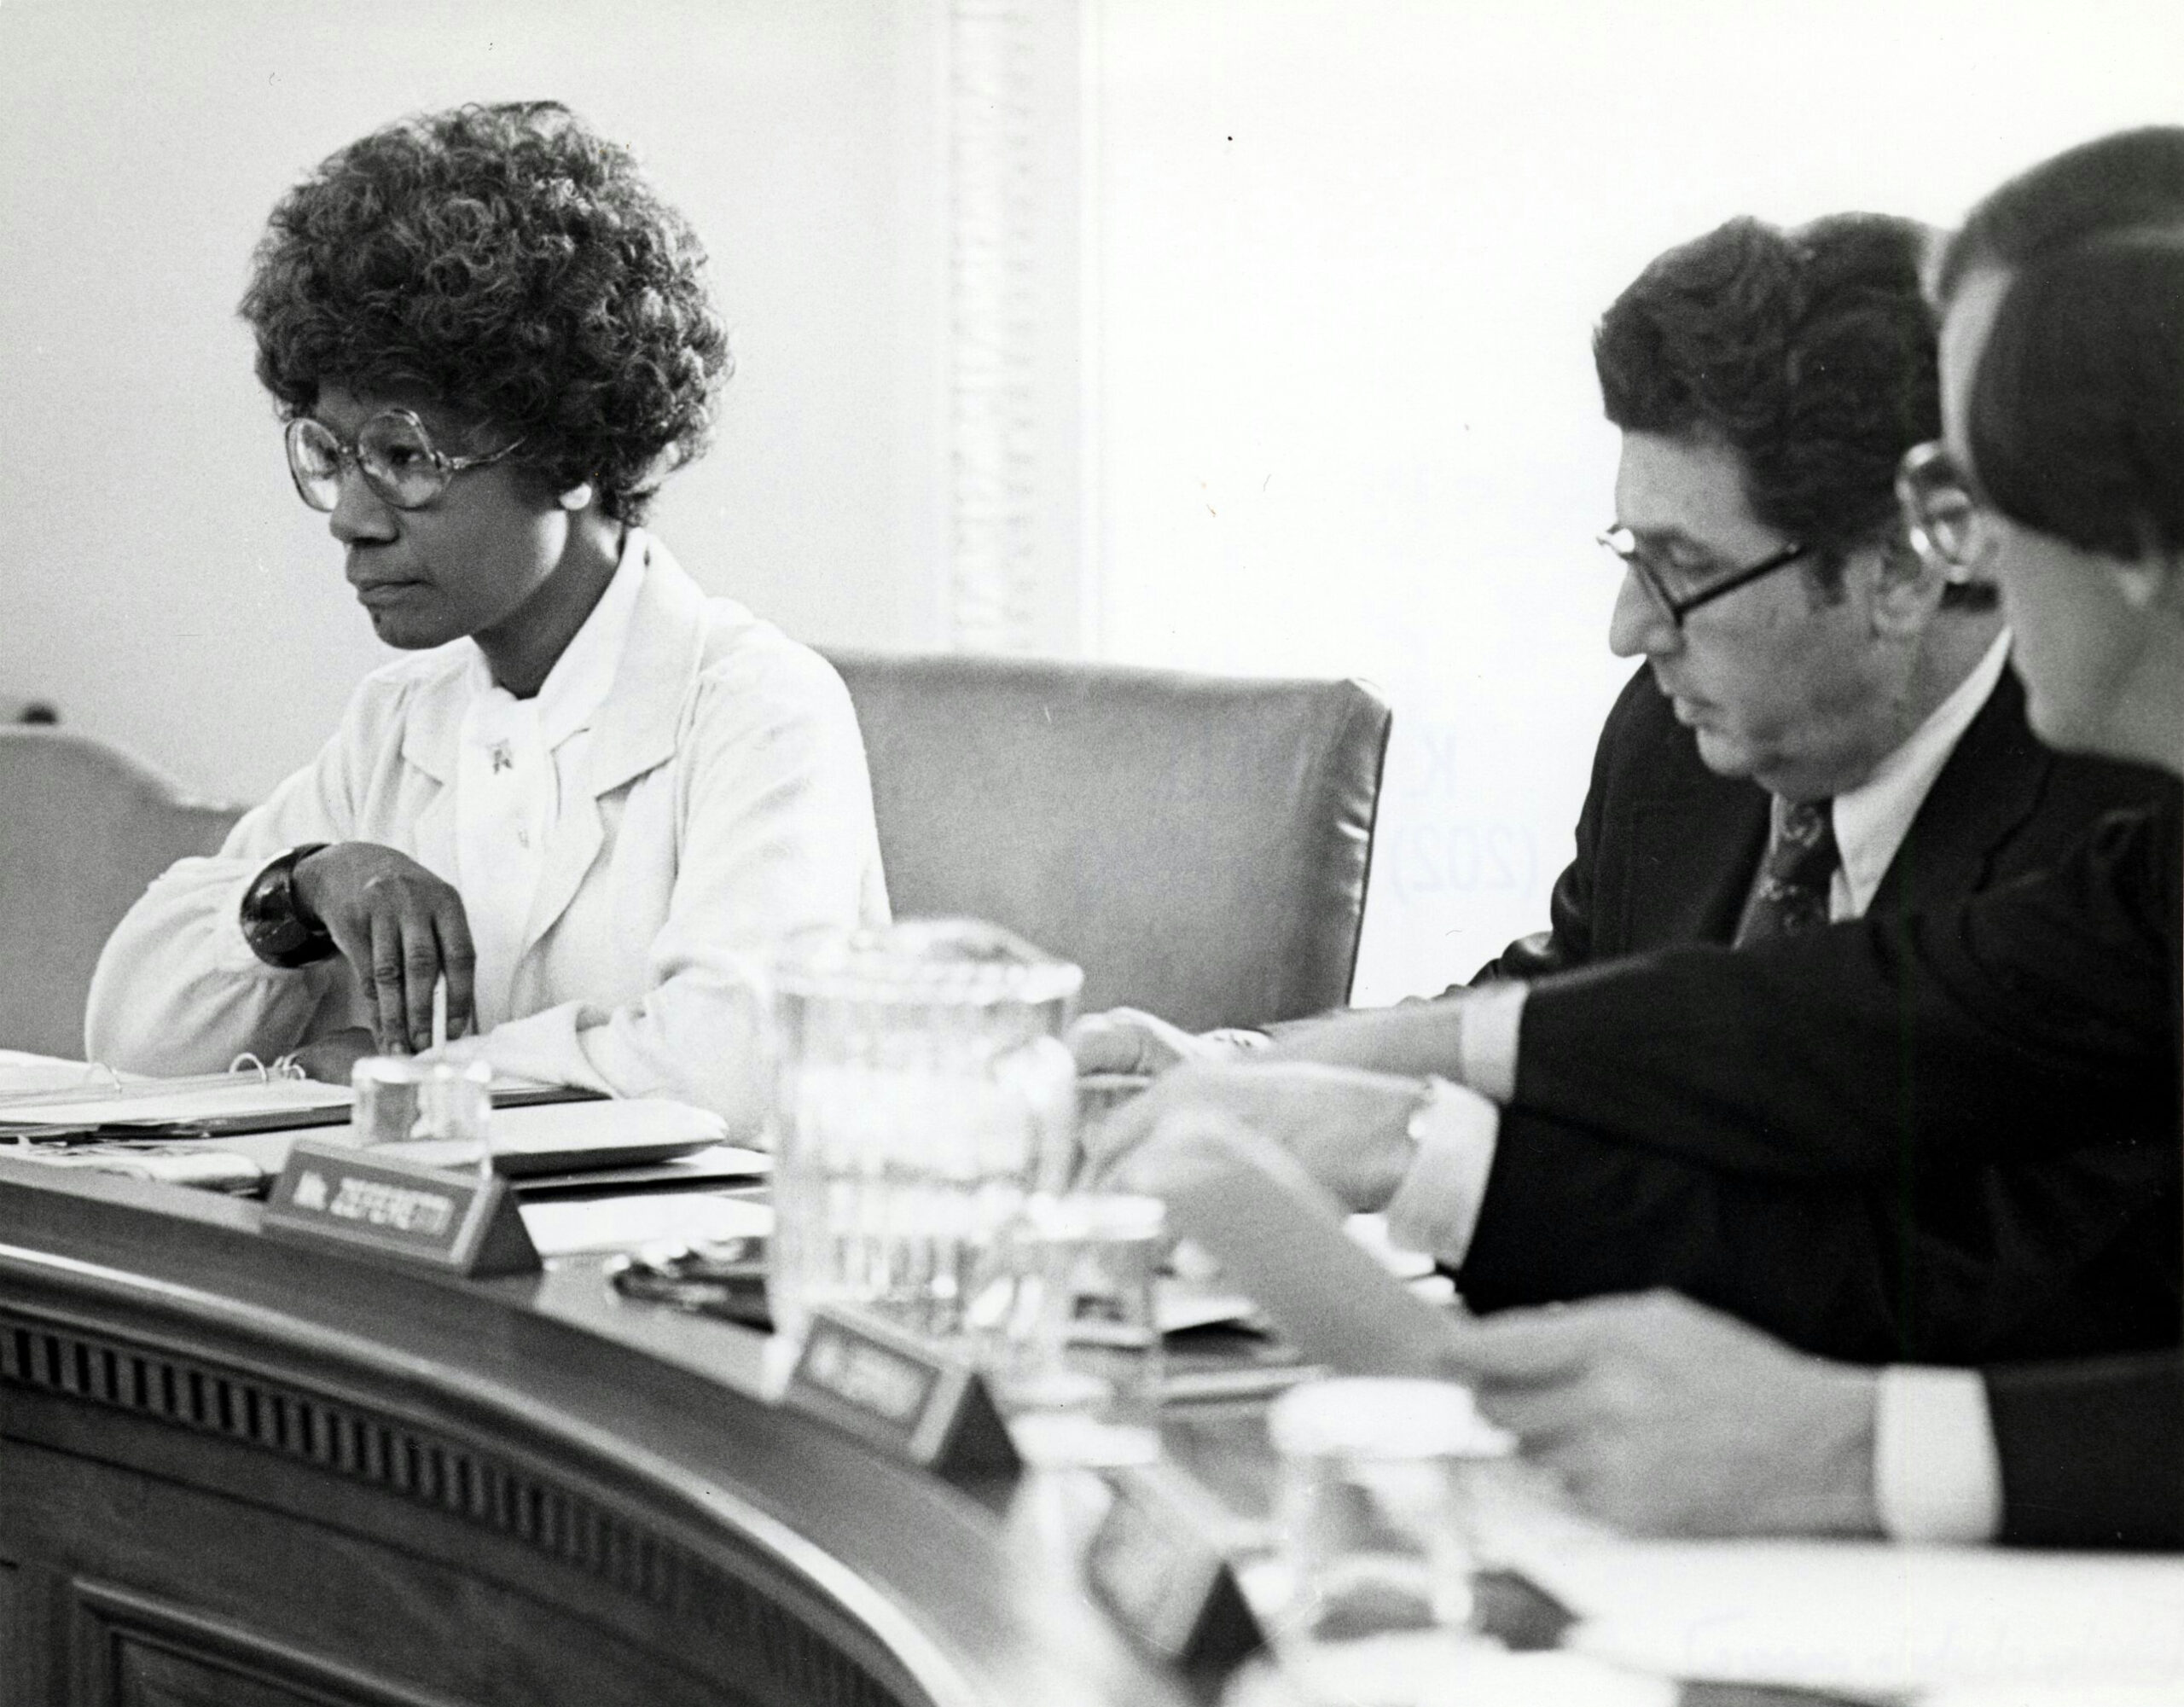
<point x="1824" y="730"/>
<point x="1767" y="383"/>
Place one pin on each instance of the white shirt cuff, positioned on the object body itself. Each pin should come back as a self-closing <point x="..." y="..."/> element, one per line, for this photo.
<point x="1936" y="1474"/>
<point x="1486" y="1043"/>
<point x="1436" y="1207"/>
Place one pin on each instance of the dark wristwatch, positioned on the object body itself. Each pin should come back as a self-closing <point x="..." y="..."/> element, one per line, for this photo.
<point x="279" y="931"/>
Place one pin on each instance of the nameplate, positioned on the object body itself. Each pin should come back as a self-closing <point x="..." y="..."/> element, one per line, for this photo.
<point x="435" y="1218"/>
<point x="1155" y="1563"/>
<point x="911" y="1397"/>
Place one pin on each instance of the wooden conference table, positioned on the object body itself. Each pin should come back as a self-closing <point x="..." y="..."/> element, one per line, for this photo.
<point x="241" y="1471"/>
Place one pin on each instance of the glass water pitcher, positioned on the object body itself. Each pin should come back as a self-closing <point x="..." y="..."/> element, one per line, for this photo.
<point x="921" y="1093"/>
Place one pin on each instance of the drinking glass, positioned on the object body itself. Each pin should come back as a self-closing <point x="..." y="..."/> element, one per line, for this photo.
<point x="1374" y="1514"/>
<point x="921" y="1093"/>
<point x="1079" y="1364"/>
<point x="402" y="1097"/>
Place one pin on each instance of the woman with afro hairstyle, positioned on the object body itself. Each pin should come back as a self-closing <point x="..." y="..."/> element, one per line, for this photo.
<point x="588" y="792"/>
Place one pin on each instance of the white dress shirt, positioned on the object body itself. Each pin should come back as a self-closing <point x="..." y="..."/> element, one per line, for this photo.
<point x="1872" y="819"/>
<point x="1937" y="1472"/>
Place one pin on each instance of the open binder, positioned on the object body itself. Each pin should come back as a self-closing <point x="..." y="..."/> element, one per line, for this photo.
<point x="249" y="1097"/>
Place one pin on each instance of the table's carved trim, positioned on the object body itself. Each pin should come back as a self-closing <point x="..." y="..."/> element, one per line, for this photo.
<point x="434" y="1470"/>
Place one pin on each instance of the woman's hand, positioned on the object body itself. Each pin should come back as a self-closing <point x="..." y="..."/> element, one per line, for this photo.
<point x="400" y="928"/>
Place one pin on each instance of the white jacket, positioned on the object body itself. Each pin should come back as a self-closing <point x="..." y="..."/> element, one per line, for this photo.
<point x="729" y="805"/>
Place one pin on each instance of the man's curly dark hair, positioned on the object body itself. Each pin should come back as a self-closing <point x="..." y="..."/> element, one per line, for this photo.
<point x="515" y="267"/>
<point x="1810" y="352"/>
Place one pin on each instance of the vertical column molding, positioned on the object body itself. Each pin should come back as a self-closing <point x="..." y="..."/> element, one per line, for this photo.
<point x="1013" y="101"/>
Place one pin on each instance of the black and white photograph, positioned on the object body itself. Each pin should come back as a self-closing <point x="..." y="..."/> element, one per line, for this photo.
<point x="1267" y="853"/>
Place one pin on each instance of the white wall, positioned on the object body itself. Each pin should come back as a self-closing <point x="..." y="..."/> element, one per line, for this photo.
<point x="1341" y="261"/>
<point x="1348" y="254"/>
<point x="159" y="579"/>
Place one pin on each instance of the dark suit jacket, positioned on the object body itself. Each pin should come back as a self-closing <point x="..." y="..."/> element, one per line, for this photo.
<point x="2007" y="1189"/>
<point x="2092" y="1453"/>
<point x="1667" y="849"/>
<point x="1855" y="1139"/>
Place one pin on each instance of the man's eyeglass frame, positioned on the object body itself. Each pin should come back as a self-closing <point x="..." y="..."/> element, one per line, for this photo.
<point x="1622" y="544"/>
<point x="348" y="453"/>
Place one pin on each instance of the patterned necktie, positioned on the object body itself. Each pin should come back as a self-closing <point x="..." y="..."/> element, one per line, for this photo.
<point x="1791" y="894"/>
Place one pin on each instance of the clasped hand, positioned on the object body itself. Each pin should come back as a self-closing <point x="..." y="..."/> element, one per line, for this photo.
<point x="400" y="928"/>
<point x="1348" y="1127"/>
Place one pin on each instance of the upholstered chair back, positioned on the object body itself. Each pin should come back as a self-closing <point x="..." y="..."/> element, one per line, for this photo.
<point x="1198" y="844"/>
<point x="83" y="829"/>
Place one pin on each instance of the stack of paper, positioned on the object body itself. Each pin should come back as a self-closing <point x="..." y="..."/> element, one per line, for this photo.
<point x="624" y="1223"/>
<point x="1974" y="1624"/>
<point x="234" y="1102"/>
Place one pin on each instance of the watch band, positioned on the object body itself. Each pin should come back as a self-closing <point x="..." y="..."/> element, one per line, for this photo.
<point x="275" y="923"/>
<point x="1435" y="1097"/>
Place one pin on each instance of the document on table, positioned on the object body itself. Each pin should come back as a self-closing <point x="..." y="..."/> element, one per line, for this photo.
<point x="624" y="1223"/>
<point x="212" y="1105"/>
<point x="22" y="1072"/>
<point x="557" y="1136"/>
<point x="224" y="1100"/>
<point x="1195" y="1295"/>
<point x="1958" y="1626"/>
<point x="557" y="1143"/>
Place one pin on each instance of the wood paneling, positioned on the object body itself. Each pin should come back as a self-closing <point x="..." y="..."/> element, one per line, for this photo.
<point x="11" y="1650"/>
<point x="132" y="1650"/>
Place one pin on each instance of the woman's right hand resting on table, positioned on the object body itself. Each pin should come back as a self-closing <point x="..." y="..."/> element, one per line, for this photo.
<point x="401" y="928"/>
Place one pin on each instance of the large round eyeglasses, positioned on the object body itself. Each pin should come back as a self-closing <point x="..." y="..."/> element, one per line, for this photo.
<point x="1941" y="511"/>
<point x="391" y="451"/>
<point x="1622" y="544"/>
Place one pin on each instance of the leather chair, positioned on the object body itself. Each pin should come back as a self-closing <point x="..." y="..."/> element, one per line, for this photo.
<point x="83" y="829"/>
<point x="1198" y="844"/>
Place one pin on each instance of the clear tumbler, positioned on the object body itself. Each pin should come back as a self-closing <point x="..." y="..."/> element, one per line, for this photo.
<point x="1079" y="1366"/>
<point x="921" y="1093"/>
<point x="1375" y="1517"/>
<point x="402" y="1098"/>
